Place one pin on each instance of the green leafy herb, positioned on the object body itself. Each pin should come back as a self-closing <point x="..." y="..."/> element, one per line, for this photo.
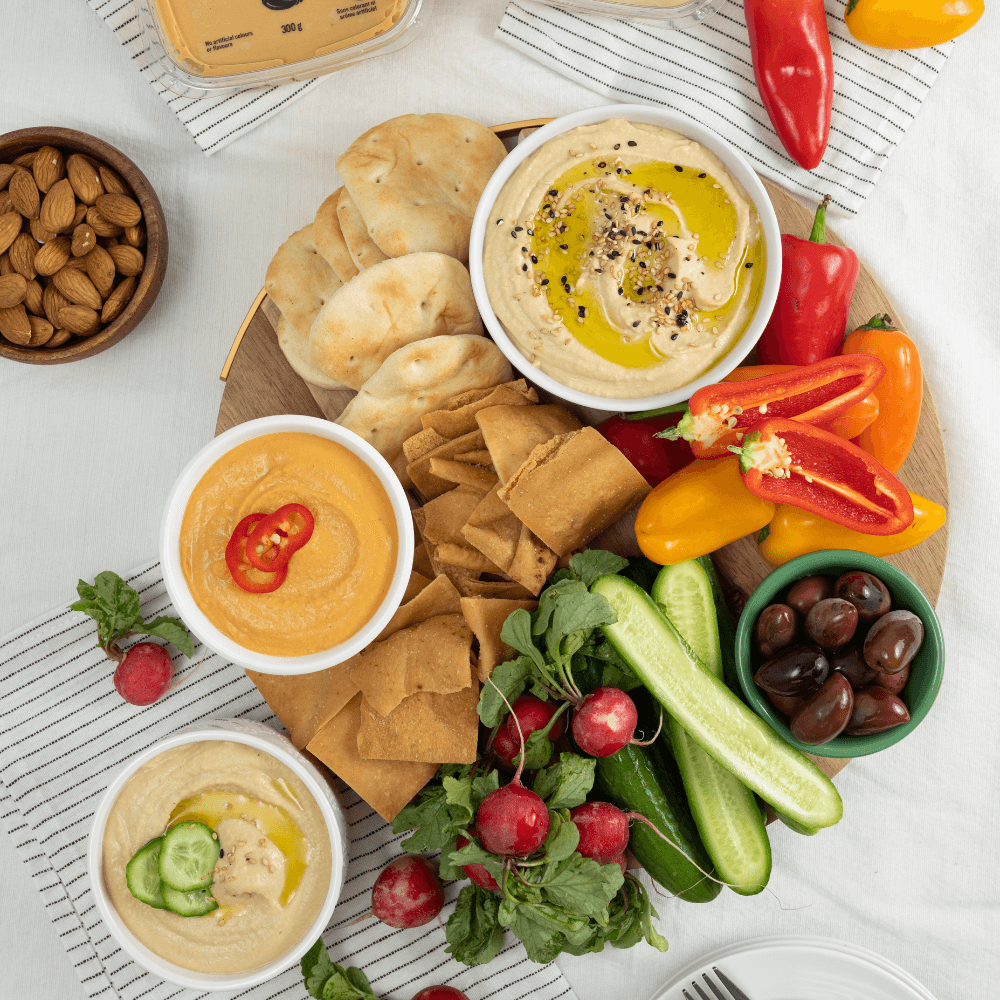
<point x="326" y="980"/>
<point x="567" y="783"/>
<point x="594" y="563"/>
<point x="473" y="931"/>
<point x="445" y="808"/>
<point x="509" y="681"/>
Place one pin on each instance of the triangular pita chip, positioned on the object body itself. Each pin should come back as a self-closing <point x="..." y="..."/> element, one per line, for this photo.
<point x="431" y="486"/>
<point x="511" y="432"/>
<point x="486" y="617"/>
<point x="475" y="476"/>
<point x="439" y="597"/>
<point x="459" y="417"/>
<point x="414" y="585"/>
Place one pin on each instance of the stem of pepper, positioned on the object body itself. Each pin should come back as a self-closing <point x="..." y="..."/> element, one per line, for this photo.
<point x="883" y="322"/>
<point x="818" y="234"/>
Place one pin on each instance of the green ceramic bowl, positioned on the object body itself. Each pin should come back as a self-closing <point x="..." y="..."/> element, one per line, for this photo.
<point x="925" y="673"/>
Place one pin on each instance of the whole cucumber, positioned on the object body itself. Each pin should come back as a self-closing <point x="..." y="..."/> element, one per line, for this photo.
<point x="645" y="780"/>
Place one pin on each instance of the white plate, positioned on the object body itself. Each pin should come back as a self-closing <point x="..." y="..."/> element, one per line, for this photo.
<point x="800" y="968"/>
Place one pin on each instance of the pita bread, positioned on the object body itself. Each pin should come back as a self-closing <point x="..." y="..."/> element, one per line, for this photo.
<point x="299" y="280"/>
<point x="330" y="240"/>
<point x="486" y="617"/>
<point x="295" y="347"/>
<point x="387" y="306"/>
<point x="363" y="251"/>
<point x="416" y="379"/>
<point x="511" y="432"/>
<point x="417" y="179"/>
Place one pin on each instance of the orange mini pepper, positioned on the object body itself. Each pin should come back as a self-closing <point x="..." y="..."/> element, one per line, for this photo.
<point x="793" y="532"/>
<point x="911" y="24"/>
<point x="698" y="510"/>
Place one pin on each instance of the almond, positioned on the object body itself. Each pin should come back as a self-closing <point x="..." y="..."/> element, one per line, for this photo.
<point x="5" y="203"/>
<point x="22" y="255"/>
<point x="14" y="325"/>
<point x="100" y="225"/>
<point x="77" y="263"/>
<point x="10" y="226"/>
<point x="113" y="184"/>
<point x="48" y="167"/>
<point x="84" y="240"/>
<point x="135" y="236"/>
<point x="24" y="193"/>
<point x="39" y="231"/>
<point x="52" y="301"/>
<point x="117" y="300"/>
<point x="6" y="172"/>
<point x="84" y="178"/>
<point x="26" y="160"/>
<point x="119" y="209"/>
<point x="52" y="255"/>
<point x="80" y="320"/>
<point x="101" y="268"/>
<point x="33" y="298"/>
<point x="12" y="290"/>
<point x="41" y="331"/>
<point x="59" y="338"/>
<point x="77" y="287"/>
<point x="80" y="214"/>
<point x="59" y="208"/>
<point x="128" y="260"/>
<point x="5" y="267"/>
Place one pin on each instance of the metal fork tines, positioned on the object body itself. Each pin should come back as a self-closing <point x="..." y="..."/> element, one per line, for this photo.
<point x="735" y="993"/>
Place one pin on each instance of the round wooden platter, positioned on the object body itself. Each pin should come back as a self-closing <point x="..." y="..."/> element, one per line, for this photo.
<point x="260" y="382"/>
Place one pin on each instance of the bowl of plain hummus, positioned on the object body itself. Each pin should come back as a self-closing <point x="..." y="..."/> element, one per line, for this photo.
<point x="282" y="842"/>
<point x="624" y="256"/>
<point x="342" y="586"/>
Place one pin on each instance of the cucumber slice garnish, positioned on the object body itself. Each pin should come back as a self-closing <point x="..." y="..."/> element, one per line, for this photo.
<point x="189" y="904"/>
<point x="142" y="874"/>
<point x="189" y="853"/>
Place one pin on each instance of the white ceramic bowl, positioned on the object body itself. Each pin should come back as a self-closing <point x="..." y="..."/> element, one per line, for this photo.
<point x="261" y="737"/>
<point x="170" y="556"/>
<point x="737" y="166"/>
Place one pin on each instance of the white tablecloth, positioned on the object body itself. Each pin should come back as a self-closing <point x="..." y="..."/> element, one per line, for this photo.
<point x="90" y="450"/>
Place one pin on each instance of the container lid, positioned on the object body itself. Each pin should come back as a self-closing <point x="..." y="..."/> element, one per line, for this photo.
<point x="662" y="13"/>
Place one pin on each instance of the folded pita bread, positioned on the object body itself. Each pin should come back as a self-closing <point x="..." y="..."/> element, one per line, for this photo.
<point x="417" y="179"/>
<point x="387" y="306"/>
<point x="330" y="240"/>
<point x="296" y="350"/>
<point x="299" y="280"/>
<point x="360" y="246"/>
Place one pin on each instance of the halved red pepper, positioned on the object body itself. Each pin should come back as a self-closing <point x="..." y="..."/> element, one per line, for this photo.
<point x="639" y="442"/>
<point x="719" y="415"/>
<point x="244" y="575"/>
<point x="274" y="539"/>
<point x="786" y="461"/>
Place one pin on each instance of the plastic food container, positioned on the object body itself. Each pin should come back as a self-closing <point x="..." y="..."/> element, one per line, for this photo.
<point x="210" y="48"/>
<point x="662" y="13"/>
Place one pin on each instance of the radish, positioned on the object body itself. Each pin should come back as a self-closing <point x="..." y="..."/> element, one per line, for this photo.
<point x="506" y="747"/>
<point x="477" y="872"/>
<point x="144" y="673"/>
<point x="440" y="993"/>
<point x="603" y="831"/>
<point x="621" y="862"/>
<point x="533" y="714"/>
<point x="605" y="721"/>
<point x="407" y="892"/>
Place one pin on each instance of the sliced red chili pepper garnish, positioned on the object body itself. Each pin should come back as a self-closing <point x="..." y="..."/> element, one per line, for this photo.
<point x="785" y="461"/>
<point x="274" y="539"/>
<point x="244" y="575"/>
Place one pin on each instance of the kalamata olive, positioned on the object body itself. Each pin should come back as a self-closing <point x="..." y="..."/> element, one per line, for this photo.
<point x="851" y="663"/>
<point x="808" y="591"/>
<point x="832" y="623"/>
<point x="796" y="670"/>
<point x="893" y="683"/>
<point x="824" y="714"/>
<point x="875" y="711"/>
<point x="776" y="628"/>
<point x="866" y="592"/>
<point x="786" y="704"/>
<point x="893" y="641"/>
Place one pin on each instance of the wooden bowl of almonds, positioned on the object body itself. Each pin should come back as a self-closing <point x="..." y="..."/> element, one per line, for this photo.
<point x="83" y="245"/>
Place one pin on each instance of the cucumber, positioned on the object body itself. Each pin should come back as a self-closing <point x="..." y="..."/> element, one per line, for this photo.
<point x="633" y="782"/>
<point x="142" y="874"/>
<point x="724" y="809"/>
<point x="189" y="904"/>
<point x="727" y="633"/>
<point x="189" y="853"/>
<point x="711" y="714"/>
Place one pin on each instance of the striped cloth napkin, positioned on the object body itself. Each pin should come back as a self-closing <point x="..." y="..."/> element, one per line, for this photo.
<point x="67" y="733"/>
<point x="706" y="73"/>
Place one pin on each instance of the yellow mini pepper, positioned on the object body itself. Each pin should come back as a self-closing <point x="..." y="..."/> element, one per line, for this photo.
<point x="697" y="510"/>
<point x="794" y="532"/>
<point x="911" y="24"/>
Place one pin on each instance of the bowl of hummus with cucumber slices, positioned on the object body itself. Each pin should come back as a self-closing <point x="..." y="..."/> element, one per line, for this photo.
<point x="217" y="855"/>
<point x="624" y="256"/>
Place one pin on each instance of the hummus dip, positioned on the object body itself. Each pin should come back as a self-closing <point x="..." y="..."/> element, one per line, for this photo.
<point x="275" y="865"/>
<point x="336" y="581"/>
<point x="623" y="259"/>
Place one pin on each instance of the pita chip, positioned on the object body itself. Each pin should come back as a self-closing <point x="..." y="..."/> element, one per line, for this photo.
<point x="422" y="442"/>
<point x="414" y="585"/>
<point x="511" y="432"/>
<point x="476" y="477"/>
<point x="485" y="617"/>
<point x="499" y="588"/>
<point x="464" y="557"/>
<point x="421" y="562"/>
<point x="442" y="519"/>
<point x="459" y="416"/>
<point x="419" y="469"/>
<point x="439" y="597"/>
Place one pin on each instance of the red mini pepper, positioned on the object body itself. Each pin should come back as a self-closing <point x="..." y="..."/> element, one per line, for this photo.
<point x="793" y="66"/>
<point x="810" y="314"/>
<point x="785" y="461"/>
<point x="719" y="415"/>
<point x="292" y="525"/>
<point x="655" y="458"/>
<point x="244" y="575"/>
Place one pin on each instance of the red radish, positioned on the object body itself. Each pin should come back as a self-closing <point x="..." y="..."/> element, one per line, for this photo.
<point x="506" y="747"/>
<point x="440" y="993"/>
<point x="533" y="714"/>
<point x="144" y="674"/>
<point x="604" y="722"/>
<point x="603" y="831"/>
<point x="621" y="862"/>
<point x="477" y="872"/>
<point x="513" y="821"/>
<point x="407" y="892"/>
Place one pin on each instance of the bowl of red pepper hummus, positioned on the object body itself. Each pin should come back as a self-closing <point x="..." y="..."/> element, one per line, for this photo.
<point x="286" y="544"/>
<point x="622" y="257"/>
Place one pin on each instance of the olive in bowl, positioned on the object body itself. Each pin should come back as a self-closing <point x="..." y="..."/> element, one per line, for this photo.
<point x="914" y="682"/>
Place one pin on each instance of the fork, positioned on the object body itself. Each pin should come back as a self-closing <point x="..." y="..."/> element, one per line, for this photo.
<point x="735" y="993"/>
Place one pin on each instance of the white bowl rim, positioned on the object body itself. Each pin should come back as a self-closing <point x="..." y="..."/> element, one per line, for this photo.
<point x="173" y="513"/>
<point x="733" y="160"/>
<point x="216" y="729"/>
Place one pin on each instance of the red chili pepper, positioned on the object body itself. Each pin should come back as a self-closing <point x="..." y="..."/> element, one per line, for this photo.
<point x="810" y="314"/>
<point x="785" y="461"/>
<point x="655" y="458"/>
<point x="244" y="575"/>
<point x="719" y="415"/>
<point x="292" y="526"/>
<point x="793" y="66"/>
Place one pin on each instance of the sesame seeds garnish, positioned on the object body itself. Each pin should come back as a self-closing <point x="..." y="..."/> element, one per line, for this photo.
<point x="631" y="142"/>
<point x="618" y="145"/>
<point x="674" y="336"/>
<point x="702" y="176"/>
<point x="678" y="168"/>
<point x="748" y="264"/>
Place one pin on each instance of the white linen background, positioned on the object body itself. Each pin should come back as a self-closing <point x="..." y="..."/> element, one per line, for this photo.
<point x="91" y="449"/>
